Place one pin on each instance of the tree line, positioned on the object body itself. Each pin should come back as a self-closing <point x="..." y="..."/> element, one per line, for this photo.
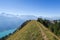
<point x="53" y="25"/>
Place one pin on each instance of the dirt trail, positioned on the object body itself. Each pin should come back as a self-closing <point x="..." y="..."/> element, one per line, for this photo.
<point x="42" y="32"/>
<point x="50" y="32"/>
<point x="42" y="28"/>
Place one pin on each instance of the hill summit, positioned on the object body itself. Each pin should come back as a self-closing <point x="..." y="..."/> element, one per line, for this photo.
<point x="33" y="30"/>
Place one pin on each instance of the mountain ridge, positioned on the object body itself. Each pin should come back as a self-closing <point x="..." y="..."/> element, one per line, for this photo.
<point x="33" y="31"/>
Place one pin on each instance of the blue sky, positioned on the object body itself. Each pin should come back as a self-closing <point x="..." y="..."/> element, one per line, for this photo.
<point x="45" y="8"/>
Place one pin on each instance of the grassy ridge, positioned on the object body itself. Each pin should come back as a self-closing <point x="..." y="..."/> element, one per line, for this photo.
<point x="32" y="31"/>
<point x="48" y="33"/>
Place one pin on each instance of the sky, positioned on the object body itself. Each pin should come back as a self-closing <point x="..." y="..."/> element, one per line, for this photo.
<point x="44" y="8"/>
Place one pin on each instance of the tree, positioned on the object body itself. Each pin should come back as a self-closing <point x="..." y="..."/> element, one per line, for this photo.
<point x="40" y="20"/>
<point x="54" y="25"/>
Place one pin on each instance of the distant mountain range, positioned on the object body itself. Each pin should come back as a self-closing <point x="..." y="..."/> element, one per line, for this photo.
<point x="50" y="18"/>
<point x="9" y="21"/>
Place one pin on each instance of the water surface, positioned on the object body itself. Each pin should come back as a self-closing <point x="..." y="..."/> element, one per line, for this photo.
<point x="7" y="32"/>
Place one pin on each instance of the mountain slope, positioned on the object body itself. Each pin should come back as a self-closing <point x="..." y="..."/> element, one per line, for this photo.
<point x="33" y="31"/>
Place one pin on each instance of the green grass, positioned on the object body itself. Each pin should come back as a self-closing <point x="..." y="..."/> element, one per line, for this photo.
<point x="31" y="31"/>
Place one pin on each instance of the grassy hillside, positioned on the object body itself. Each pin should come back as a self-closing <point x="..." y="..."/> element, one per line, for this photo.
<point x="33" y="31"/>
<point x="52" y="25"/>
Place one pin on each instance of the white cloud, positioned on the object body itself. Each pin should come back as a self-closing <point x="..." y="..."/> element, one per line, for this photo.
<point x="9" y="14"/>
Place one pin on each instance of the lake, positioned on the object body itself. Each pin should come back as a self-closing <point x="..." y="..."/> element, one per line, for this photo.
<point x="4" y="33"/>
